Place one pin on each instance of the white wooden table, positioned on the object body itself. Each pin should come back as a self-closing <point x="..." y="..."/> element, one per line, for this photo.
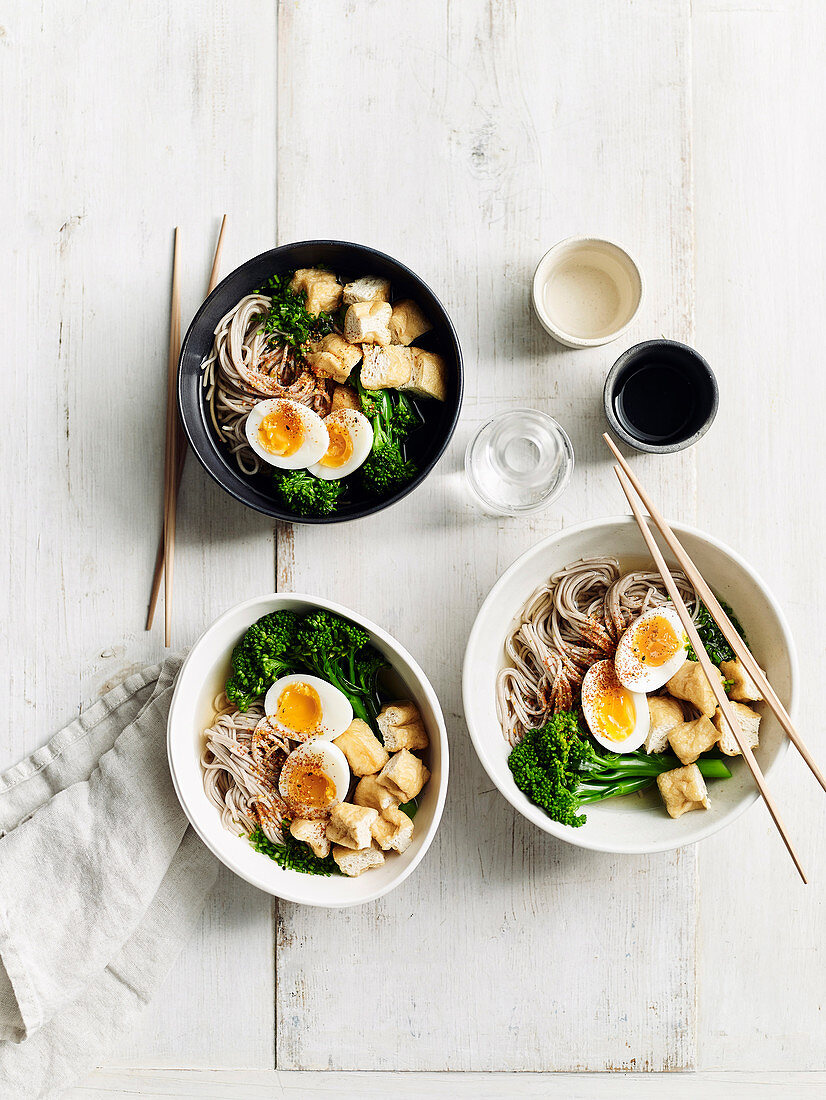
<point x="464" y="137"/>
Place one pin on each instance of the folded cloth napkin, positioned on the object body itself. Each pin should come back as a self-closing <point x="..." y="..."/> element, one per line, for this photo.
<point x="101" y="881"/>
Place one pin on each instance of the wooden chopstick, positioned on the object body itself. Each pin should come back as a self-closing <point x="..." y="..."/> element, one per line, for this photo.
<point x="708" y="668"/>
<point x="180" y="450"/>
<point x="741" y="651"/>
<point x="170" y="464"/>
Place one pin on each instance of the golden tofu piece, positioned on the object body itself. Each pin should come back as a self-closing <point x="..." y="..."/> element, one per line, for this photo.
<point x="749" y="722"/>
<point x="386" y="368"/>
<point x="683" y="789"/>
<point x="394" y="831"/>
<point x="370" y="288"/>
<point x="365" y="753"/>
<point x="402" y="727"/>
<point x="345" y="397"/>
<point x="743" y="688"/>
<point x="665" y="714"/>
<point x="408" y="322"/>
<point x="429" y="375"/>
<point x="368" y="323"/>
<point x="350" y="826"/>
<point x="313" y="833"/>
<point x="332" y="357"/>
<point x="321" y="288"/>
<point x="689" y="739"/>
<point x="403" y="775"/>
<point x="369" y="792"/>
<point x="691" y="683"/>
<point x="355" y="863"/>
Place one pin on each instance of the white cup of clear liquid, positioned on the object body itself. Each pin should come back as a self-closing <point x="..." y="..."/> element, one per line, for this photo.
<point x="519" y="462"/>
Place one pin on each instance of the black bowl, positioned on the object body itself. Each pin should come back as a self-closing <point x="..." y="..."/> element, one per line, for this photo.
<point x="350" y="261"/>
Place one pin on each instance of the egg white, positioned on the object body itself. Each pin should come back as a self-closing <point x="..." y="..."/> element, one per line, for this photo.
<point x="634" y="673"/>
<point x="360" y="430"/>
<point x="333" y="763"/>
<point x="336" y="709"/>
<point x="595" y="684"/>
<point x="316" y="438"/>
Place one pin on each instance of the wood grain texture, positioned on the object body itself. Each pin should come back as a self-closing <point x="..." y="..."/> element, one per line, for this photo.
<point x="761" y="283"/>
<point x="120" y="123"/>
<point x="492" y="134"/>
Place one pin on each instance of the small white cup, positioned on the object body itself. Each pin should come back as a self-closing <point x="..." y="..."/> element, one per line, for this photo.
<point x="586" y="291"/>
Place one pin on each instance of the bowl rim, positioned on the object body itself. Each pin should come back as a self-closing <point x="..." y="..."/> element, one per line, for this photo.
<point x="261" y="882"/>
<point x="512" y="793"/>
<point x="273" y="510"/>
<point x="608" y="398"/>
<point x="567" y="338"/>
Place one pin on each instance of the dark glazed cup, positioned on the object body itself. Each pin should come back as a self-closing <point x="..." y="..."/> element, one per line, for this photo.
<point x="660" y="396"/>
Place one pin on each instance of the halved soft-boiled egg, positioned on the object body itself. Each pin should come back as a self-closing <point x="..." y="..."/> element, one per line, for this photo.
<point x="314" y="779"/>
<point x="618" y="718"/>
<point x="651" y="650"/>
<point x="303" y="707"/>
<point x="286" y="433"/>
<point x="351" y="440"/>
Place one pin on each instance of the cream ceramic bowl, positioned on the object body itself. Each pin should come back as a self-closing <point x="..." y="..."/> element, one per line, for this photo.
<point x="202" y="678"/>
<point x="638" y="823"/>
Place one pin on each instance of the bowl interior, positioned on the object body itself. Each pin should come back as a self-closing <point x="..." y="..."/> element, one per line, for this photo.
<point x="348" y="261"/>
<point x="202" y="678"/>
<point x="637" y="823"/>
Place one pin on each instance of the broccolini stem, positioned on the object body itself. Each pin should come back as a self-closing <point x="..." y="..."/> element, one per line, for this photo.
<point x="596" y="792"/>
<point x="615" y="784"/>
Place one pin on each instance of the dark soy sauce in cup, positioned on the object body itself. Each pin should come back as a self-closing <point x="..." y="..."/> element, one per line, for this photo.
<point x="660" y="396"/>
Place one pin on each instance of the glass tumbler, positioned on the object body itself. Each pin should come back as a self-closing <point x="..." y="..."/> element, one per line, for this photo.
<point x="519" y="462"/>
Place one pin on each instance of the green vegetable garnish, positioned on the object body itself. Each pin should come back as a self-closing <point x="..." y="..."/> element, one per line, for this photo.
<point x="287" y="317"/>
<point x="712" y="637"/>
<point x="409" y="808"/>
<point x="262" y="655"/>
<point x="294" y="855"/>
<point x="307" y="495"/>
<point x="393" y="418"/>
<point x="560" y="771"/>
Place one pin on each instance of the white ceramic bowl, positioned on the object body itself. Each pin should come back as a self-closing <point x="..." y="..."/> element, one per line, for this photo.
<point x="202" y="678"/>
<point x="638" y="823"/>
<point x="599" y="290"/>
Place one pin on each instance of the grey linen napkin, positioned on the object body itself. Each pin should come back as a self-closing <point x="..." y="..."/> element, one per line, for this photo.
<point x="101" y="881"/>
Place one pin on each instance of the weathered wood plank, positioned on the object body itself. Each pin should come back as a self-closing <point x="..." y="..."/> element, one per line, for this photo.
<point x="484" y="134"/>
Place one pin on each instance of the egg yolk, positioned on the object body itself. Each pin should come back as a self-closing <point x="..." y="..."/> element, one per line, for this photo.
<point x="341" y="446"/>
<point x="614" y="710"/>
<point x="281" y="432"/>
<point x="309" y="786"/>
<point x="655" y="642"/>
<point x="299" y="708"/>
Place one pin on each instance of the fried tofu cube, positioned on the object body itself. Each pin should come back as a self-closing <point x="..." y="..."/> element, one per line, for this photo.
<point x="321" y="288"/>
<point x="369" y="792"/>
<point x="386" y="368"/>
<point x="370" y="288"/>
<point x="350" y="826"/>
<point x="691" y="683"/>
<point x="665" y="715"/>
<point x="749" y="722"/>
<point x="365" y="753"/>
<point x="313" y="833"/>
<point x="403" y="775"/>
<point x="408" y="322"/>
<point x="394" y="831"/>
<point x="345" y="397"/>
<point x="689" y="739"/>
<point x="429" y="375"/>
<point x="402" y="727"/>
<point x="368" y="323"/>
<point x="683" y="789"/>
<point x="333" y="357"/>
<point x="353" y="864"/>
<point x="743" y="688"/>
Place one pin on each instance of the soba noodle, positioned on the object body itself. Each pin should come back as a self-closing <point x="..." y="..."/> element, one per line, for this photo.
<point x="247" y="365"/>
<point x="570" y="622"/>
<point x="242" y="758"/>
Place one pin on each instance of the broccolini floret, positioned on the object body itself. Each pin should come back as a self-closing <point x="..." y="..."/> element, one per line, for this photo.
<point x="306" y="495"/>
<point x="262" y="655"/>
<point x="393" y="418"/>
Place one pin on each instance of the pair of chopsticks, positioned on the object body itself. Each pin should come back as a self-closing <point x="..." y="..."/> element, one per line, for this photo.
<point x="175" y="453"/>
<point x="630" y="484"/>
